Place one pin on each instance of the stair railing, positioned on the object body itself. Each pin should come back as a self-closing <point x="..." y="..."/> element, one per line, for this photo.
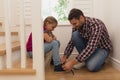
<point x="6" y="24"/>
<point x="37" y="35"/>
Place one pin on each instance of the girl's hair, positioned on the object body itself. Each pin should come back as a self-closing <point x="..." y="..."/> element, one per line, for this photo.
<point x="75" y="13"/>
<point x="51" y="20"/>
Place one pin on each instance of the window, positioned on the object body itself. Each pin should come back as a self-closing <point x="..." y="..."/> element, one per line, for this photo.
<point x="60" y="8"/>
<point x="56" y="8"/>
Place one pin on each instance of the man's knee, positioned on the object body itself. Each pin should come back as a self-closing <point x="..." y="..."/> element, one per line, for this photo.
<point x="93" y="67"/>
<point x="75" y="34"/>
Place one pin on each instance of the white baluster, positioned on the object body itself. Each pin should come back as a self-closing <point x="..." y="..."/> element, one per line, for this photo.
<point x="7" y="18"/>
<point x="22" y="35"/>
<point x="37" y="35"/>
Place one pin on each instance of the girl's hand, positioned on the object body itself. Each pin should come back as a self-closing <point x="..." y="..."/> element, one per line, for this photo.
<point x="54" y="38"/>
<point x="47" y="38"/>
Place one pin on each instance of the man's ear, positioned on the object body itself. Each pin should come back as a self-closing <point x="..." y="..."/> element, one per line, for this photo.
<point x="81" y="17"/>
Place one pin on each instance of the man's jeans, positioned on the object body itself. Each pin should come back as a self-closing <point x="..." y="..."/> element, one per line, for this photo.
<point x="97" y="58"/>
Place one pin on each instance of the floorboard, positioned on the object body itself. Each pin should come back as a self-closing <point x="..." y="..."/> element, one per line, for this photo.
<point x="106" y="73"/>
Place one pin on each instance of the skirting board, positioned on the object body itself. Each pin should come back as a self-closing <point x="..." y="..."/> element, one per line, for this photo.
<point x="115" y="63"/>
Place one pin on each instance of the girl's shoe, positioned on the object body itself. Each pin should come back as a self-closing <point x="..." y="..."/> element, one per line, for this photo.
<point x="58" y="68"/>
<point x="51" y="62"/>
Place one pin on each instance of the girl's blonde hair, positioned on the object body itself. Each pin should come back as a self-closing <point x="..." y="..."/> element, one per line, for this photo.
<point x="51" y="20"/>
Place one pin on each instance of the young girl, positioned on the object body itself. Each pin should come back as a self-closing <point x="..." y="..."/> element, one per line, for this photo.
<point x="50" y="42"/>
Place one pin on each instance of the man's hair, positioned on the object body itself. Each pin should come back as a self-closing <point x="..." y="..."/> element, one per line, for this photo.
<point x="75" y="13"/>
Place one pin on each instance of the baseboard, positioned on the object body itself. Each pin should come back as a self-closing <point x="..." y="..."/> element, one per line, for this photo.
<point x="115" y="63"/>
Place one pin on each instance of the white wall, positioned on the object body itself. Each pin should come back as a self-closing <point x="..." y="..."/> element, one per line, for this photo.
<point x="63" y="34"/>
<point x="1" y="10"/>
<point x="114" y="24"/>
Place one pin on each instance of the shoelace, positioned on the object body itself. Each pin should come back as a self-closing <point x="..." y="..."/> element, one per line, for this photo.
<point x="72" y="72"/>
<point x="71" y="69"/>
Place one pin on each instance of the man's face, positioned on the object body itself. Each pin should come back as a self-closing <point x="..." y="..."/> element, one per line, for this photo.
<point x="77" y="23"/>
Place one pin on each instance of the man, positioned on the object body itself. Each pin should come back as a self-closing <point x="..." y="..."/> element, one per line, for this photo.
<point x="91" y="39"/>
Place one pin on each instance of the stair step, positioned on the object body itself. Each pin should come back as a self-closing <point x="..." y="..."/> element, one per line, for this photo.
<point x="0" y="23"/>
<point x="17" y="72"/>
<point x="15" y="46"/>
<point x="2" y="33"/>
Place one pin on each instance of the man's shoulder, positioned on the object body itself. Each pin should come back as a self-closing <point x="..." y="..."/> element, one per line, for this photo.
<point x="93" y="20"/>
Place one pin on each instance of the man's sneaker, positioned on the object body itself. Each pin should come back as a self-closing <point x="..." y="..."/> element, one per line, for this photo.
<point x="79" y="65"/>
<point x="51" y="62"/>
<point x="58" y="68"/>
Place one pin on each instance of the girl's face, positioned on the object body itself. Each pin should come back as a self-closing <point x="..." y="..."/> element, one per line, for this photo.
<point x="50" y="26"/>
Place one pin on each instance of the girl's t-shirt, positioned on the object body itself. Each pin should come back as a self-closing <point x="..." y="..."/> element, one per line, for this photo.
<point x="29" y="42"/>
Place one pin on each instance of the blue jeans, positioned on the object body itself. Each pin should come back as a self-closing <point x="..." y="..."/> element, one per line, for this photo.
<point x="96" y="59"/>
<point x="54" y="48"/>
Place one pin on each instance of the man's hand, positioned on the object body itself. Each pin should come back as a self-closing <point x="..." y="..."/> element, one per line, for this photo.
<point x="69" y="65"/>
<point x="64" y="59"/>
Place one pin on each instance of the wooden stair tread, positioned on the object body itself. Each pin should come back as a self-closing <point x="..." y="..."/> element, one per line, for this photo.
<point x="2" y="33"/>
<point x="17" y="72"/>
<point x="0" y="23"/>
<point x="29" y="62"/>
<point x="15" y="46"/>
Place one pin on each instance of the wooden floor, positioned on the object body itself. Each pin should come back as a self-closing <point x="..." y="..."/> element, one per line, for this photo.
<point x="106" y="73"/>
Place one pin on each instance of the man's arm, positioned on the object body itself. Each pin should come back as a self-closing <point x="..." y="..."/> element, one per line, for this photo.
<point x="70" y="46"/>
<point x="68" y="49"/>
<point x="92" y="43"/>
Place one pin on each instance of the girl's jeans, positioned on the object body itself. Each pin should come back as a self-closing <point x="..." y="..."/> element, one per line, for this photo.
<point x="54" y="48"/>
<point x="98" y="57"/>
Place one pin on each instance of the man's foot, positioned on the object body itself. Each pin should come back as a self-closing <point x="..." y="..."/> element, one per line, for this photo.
<point x="58" y="68"/>
<point x="79" y="65"/>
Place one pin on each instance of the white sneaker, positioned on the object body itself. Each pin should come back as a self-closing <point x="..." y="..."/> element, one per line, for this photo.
<point x="79" y="65"/>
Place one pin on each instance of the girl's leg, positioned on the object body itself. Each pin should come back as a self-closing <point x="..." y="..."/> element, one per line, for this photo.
<point x="54" y="48"/>
<point x="97" y="59"/>
<point x="30" y="54"/>
<point x="47" y="47"/>
<point x="55" y="52"/>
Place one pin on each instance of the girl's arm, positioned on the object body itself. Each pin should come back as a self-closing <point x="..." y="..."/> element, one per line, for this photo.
<point x="53" y="36"/>
<point x="47" y="37"/>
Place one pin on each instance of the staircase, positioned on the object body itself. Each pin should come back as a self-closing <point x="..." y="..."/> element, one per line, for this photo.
<point x="15" y="68"/>
<point x="15" y="43"/>
<point x="16" y="54"/>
